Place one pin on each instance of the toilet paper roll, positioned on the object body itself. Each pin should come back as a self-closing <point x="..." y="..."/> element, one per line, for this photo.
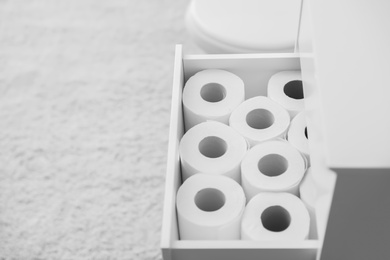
<point x="211" y="95"/>
<point x="286" y="89"/>
<point x="273" y="166"/>
<point x="210" y="207"/>
<point x="213" y="148"/>
<point x="260" y="119"/>
<point x="275" y="217"/>
<point x="308" y="194"/>
<point x="322" y="209"/>
<point x="316" y="183"/>
<point x="298" y="137"/>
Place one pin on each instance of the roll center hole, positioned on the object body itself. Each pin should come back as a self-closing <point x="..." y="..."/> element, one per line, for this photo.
<point x="213" y="92"/>
<point x="210" y="199"/>
<point x="260" y="119"/>
<point x="276" y="218"/>
<point x="272" y="165"/>
<point x="213" y="147"/>
<point x="306" y="133"/>
<point x="294" y="89"/>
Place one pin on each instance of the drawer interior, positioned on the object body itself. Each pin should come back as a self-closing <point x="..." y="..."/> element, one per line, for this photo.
<point x="255" y="70"/>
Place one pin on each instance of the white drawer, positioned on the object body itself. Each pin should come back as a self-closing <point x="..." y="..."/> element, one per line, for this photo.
<point x="255" y="70"/>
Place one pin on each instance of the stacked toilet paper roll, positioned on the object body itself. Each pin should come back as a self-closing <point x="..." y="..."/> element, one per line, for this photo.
<point x="211" y="95"/>
<point x="260" y="119"/>
<point x="213" y="148"/>
<point x="275" y="217"/>
<point x="316" y="184"/>
<point x="286" y="89"/>
<point x="215" y="159"/>
<point x="322" y="209"/>
<point x="273" y="166"/>
<point x="210" y="207"/>
<point x="297" y="135"/>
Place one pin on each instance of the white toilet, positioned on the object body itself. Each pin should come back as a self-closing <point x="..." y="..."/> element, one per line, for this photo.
<point x="244" y="26"/>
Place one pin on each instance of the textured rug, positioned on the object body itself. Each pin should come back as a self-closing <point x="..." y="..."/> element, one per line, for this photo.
<point x="85" y="91"/>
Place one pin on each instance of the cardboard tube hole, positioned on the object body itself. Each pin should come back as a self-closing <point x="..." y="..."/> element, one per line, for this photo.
<point x="276" y="218"/>
<point x="213" y="92"/>
<point x="213" y="147"/>
<point x="260" y="119"/>
<point x="273" y="165"/>
<point x="294" y="89"/>
<point x="210" y="199"/>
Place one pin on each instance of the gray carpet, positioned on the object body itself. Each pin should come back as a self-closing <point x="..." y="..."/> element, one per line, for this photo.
<point x="85" y="89"/>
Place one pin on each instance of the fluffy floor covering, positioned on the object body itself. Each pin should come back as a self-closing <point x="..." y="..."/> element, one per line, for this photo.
<point x="85" y="88"/>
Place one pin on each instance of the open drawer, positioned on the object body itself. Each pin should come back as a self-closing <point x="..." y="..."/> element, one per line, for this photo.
<point x="255" y="70"/>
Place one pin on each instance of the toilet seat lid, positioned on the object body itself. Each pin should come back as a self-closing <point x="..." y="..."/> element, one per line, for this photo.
<point x="252" y="25"/>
